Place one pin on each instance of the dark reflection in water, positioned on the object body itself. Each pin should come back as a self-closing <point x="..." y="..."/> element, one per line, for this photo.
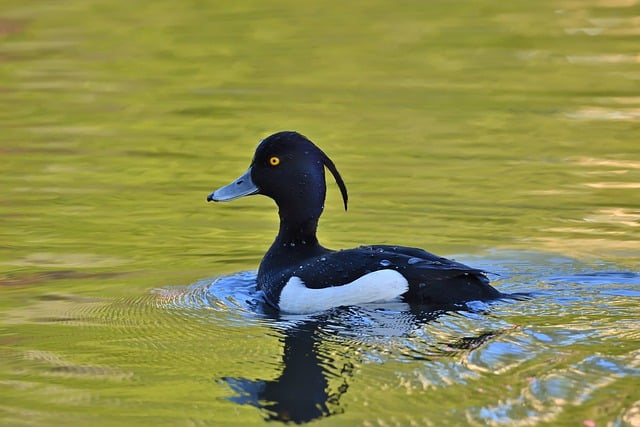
<point x="301" y="392"/>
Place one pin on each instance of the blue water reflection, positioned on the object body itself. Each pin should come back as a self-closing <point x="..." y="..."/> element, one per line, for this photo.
<point x="322" y="354"/>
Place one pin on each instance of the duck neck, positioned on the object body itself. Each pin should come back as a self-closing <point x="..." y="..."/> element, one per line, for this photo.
<point x="296" y="242"/>
<point x="297" y="232"/>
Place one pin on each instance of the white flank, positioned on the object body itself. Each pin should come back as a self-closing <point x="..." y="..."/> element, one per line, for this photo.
<point x="378" y="286"/>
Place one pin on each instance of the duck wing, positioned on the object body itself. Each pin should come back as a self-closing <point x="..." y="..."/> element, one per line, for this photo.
<point x="431" y="279"/>
<point x="421" y="258"/>
<point x="437" y="280"/>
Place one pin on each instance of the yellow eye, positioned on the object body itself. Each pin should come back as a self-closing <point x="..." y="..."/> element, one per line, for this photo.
<point x="274" y="161"/>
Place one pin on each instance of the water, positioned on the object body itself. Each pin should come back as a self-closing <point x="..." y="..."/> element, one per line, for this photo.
<point x="502" y="135"/>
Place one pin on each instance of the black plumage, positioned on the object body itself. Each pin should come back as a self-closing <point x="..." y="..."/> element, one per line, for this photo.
<point x="289" y="168"/>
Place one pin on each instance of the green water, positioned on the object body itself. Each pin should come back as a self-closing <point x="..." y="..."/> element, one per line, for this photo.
<point x="504" y="134"/>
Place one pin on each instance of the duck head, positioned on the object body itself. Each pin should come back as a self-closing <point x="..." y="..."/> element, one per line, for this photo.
<point x="288" y="168"/>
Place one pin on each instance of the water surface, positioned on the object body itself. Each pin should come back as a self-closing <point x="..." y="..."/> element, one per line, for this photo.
<point x="501" y="134"/>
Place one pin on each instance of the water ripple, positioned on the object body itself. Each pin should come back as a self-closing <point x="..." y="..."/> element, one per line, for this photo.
<point x="234" y="297"/>
<point x="513" y="362"/>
